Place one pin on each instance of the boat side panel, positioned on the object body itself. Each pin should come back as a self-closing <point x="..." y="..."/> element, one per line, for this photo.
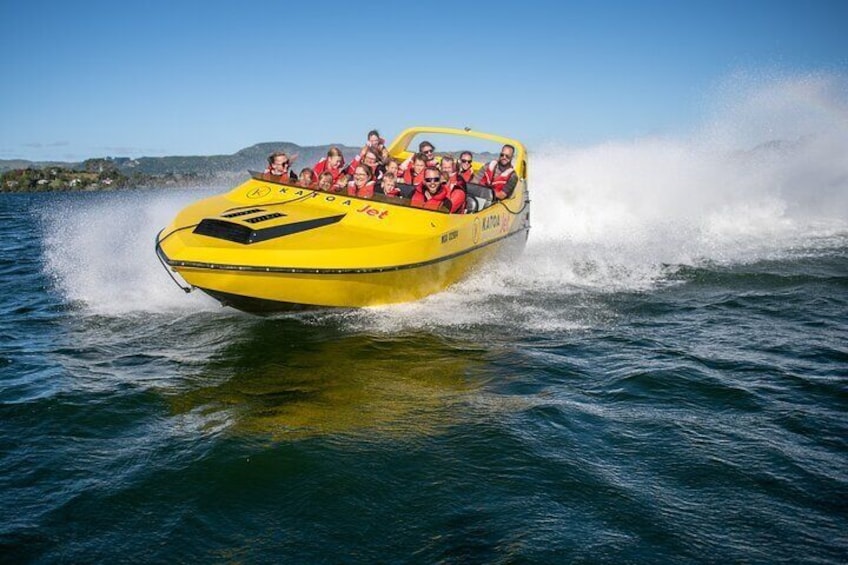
<point x="343" y="289"/>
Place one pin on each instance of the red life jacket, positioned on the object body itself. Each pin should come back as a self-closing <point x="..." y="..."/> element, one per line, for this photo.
<point x="409" y="176"/>
<point x="407" y="164"/>
<point x="353" y="164"/>
<point x="285" y="177"/>
<point x="496" y="180"/>
<point x="466" y="175"/>
<point x="322" y="166"/>
<point x="456" y="193"/>
<point x="422" y="198"/>
<point x="366" y="191"/>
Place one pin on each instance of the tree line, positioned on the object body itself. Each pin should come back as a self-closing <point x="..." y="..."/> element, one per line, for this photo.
<point x="93" y="174"/>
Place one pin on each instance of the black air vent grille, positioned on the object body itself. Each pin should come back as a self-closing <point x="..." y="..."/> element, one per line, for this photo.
<point x="222" y="229"/>
<point x="240" y="233"/>
<point x="242" y="213"/>
<point x="263" y="218"/>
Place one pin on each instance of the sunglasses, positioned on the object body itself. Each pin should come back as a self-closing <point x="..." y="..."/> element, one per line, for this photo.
<point x="428" y="151"/>
<point x="506" y="156"/>
<point x="466" y="161"/>
<point x="433" y="179"/>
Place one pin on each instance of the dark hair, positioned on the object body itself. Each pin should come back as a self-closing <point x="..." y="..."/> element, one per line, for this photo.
<point x="367" y="169"/>
<point x="373" y="132"/>
<point x="424" y="144"/>
<point x="276" y="154"/>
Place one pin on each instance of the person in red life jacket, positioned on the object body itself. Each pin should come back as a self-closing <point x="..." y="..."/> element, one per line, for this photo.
<point x="375" y="142"/>
<point x="426" y="149"/>
<point x="466" y="171"/>
<point x="373" y="161"/>
<point x="375" y="145"/>
<point x="448" y="165"/>
<point x="454" y="184"/>
<point x="278" y="167"/>
<point x="393" y="167"/>
<point x="306" y="178"/>
<point x="415" y="174"/>
<point x="388" y="184"/>
<point x="431" y="193"/>
<point x="389" y="166"/>
<point x="369" y="157"/>
<point x="499" y="175"/>
<point x="333" y="163"/>
<point x="325" y="181"/>
<point x="362" y="184"/>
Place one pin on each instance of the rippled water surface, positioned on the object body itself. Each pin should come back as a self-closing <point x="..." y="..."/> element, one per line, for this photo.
<point x="661" y="378"/>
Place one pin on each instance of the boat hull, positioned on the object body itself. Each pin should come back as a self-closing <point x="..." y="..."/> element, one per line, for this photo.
<point x="280" y="289"/>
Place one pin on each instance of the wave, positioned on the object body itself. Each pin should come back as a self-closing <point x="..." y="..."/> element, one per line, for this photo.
<point x="764" y="176"/>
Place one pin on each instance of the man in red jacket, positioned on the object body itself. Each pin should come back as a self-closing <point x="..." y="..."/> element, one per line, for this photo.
<point x="499" y="174"/>
<point x="433" y="193"/>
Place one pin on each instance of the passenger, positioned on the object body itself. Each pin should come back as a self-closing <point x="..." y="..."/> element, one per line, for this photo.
<point x="362" y="184"/>
<point x="393" y="167"/>
<point x="389" y="185"/>
<point x="340" y="186"/>
<point x="415" y="174"/>
<point x="306" y="178"/>
<point x="325" y="181"/>
<point x="425" y="148"/>
<point x="372" y="160"/>
<point x="454" y="184"/>
<point x="429" y="152"/>
<point x="333" y="163"/>
<point x="375" y="142"/>
<point x="448" y="165"/>
<point x="466" y="171"/>
<point x="278" y="167"/>
<point x="431" y="193"/>
<point x="385" y="156"/>
<point x="499" y="174"/>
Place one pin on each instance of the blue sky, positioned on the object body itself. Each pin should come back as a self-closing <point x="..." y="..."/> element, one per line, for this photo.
<point x="88" y="79"/>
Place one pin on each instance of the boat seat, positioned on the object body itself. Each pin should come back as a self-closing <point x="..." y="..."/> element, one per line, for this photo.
<point x="406" y="190"/>
<point x="477" y="197"/>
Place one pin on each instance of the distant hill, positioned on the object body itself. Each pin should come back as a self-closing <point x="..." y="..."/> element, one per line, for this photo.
<point x="105" y="173"/>
<point x="253" y="157"/>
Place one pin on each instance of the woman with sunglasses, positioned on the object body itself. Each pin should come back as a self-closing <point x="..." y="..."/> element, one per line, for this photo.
<point x="466" y="171"/>
<point x="425" y="148"/>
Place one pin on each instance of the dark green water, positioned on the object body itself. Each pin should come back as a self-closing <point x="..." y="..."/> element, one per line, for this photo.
<point x="599" y="402"/>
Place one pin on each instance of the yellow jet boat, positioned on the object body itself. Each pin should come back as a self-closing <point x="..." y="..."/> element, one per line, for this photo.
<point x="270" y="246"/>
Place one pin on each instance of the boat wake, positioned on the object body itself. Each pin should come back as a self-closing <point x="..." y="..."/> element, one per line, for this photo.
<point x="764" y="178"/>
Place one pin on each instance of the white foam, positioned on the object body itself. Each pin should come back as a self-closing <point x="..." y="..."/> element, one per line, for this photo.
<point x="100" y="252"/>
